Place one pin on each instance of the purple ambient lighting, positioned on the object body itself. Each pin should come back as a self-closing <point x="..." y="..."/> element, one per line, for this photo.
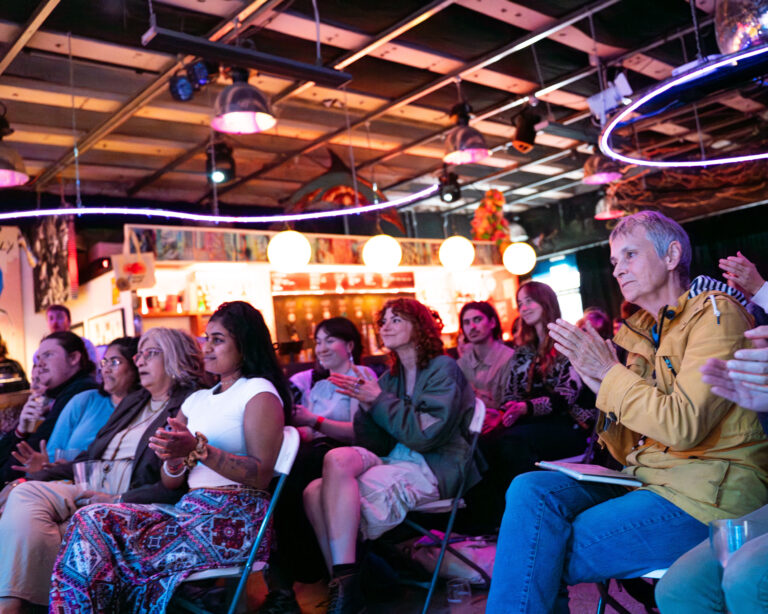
<point x="9" y="178"/>
<point x="605" y="145"/>
<point x="243" y="122"/>
<point x="601" y="178"/>
<point x="216" y="219"/>
<point x="466" y="156"/>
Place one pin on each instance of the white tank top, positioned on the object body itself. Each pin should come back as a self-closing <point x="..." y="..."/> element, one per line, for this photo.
<point x="220" y="418"/>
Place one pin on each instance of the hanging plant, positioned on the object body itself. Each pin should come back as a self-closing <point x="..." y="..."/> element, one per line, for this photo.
<point x="489" y="223"/>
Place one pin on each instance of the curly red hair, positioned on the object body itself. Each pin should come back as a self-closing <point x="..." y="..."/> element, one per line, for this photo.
<point x="427" y="325"/>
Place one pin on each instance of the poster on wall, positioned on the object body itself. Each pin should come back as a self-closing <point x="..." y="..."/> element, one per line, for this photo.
<point x="104" y="328"/>
<point x="48" y="242"/>
<point x="11" y="307"/>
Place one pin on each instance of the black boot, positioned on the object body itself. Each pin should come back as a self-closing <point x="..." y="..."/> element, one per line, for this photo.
<point x="280" y="602"/>
<point x="345" y="595"/>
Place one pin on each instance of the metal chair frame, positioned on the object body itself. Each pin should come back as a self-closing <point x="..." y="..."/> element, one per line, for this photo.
<point x="607" y="599"/>
<point x="443" y="505"/>
<point x="283" y="466"/>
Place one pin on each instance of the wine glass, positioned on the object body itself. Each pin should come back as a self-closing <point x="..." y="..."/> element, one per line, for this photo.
<point x="727" y="536"/>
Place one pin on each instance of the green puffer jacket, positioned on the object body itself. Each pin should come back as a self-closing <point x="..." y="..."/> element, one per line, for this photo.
<point x="699" y="451"/>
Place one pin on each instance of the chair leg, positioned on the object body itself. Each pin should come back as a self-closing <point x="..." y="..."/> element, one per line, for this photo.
<point x="607" y="599"/>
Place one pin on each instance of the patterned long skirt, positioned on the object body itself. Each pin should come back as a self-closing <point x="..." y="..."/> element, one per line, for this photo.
<point x="131" y="557"/>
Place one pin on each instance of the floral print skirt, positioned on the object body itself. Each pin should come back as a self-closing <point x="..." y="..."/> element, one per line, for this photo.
<point x="131" y="557"/>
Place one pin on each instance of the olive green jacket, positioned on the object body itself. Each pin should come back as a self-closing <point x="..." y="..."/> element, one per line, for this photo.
<point x="697" y="450"/>
<point x="433" y="421"/>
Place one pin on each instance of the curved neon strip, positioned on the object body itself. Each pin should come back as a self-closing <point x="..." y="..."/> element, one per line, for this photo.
<point x="605" y="146"/>
<point x="216" y="219"/>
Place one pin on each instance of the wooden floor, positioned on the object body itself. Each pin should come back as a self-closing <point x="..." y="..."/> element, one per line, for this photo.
<point x="583" y="600"/>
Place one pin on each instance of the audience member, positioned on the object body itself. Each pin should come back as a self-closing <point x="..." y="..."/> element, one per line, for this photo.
<point x="59" y="320"/>
<point x="88" y="411"/>
<point x="599" y="320"/>
<point x="37" y="511"/>
<point x="324" y="415"/>
<point x="237" y="429"/>
<point x="700" y="456"/>
<point x="743" y="275"/>
<point x="697" y="583"/>
<point x="414" y="425"/>
<point x="486" y="361"/>
<point x="547" y="413"/>
<point x="63" y="370"/>
<point x="12" y="376"/>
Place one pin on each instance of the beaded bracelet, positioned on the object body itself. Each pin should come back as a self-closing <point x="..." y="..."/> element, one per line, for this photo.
<point x="318" y="422"/>
<point x="167" y="471"/>
<point x="200" y="453"/>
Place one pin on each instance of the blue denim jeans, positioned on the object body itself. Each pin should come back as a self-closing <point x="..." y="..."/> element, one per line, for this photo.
<point x="557" y="532"/>
<point x="696" y="584"/>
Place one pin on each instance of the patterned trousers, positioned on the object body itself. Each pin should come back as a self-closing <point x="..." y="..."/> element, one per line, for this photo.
<point x="131" y="557"/>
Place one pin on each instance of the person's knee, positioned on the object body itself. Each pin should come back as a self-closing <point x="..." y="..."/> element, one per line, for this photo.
<point x="745" y="582"/>
<point x="312" y="494"/>
<point x="341" y="462"/>
<point x="528" y="486"/>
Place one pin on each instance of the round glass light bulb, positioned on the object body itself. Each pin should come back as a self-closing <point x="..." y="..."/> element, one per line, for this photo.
<point x="457" y="253"/>
<point x="382" y="253"/>
<point x="519" y="258"/>
<point x="289" y="251"/>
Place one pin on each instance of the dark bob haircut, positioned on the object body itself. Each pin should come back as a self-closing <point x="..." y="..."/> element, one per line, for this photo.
<point x="487" y="310"/>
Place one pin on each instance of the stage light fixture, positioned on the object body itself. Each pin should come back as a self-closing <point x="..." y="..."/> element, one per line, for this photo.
<point x="464" y="144"/>
<point x="450" y="191"/>
<point x="241" y="108"/>
<point x="599" y="169"/>
<point x="219" y="163"/>
<point x="525" y="130"/>
<point x="198" y="74"/>
<point x="181" y="87"/>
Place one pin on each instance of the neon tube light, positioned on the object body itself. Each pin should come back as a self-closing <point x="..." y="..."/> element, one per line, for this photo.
<point x="605" y="144"/>
<point x="219" y="219"/>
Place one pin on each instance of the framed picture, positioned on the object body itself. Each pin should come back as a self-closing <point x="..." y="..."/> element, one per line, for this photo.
<point x="78" y="329"/>
<point x="102" y="329"/>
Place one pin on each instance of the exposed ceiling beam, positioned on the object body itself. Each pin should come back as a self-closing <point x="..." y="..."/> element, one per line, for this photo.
<point x="223" y="32"/>
<point x="489" y="58"/>
<point x="348" y="58"/>
<point x="28" y="31"/>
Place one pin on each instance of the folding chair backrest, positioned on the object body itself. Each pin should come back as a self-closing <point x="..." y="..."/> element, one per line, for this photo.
<point x="476" y="425"/>
<point x="288" y="451"/>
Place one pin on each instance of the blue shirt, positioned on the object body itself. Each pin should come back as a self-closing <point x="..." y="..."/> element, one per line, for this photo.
<point x="79" y="422"/>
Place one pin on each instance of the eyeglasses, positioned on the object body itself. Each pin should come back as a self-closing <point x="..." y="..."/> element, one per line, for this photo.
<point x="147" y="354"/>
<point x="113" y="362"/>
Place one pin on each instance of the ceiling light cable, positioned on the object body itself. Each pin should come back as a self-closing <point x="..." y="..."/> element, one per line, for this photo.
<point x="75" y="149"/>
<point x="318" y="56"/>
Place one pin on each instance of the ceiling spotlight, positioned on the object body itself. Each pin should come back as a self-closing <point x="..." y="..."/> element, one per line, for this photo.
<point x="464" y="144"/>
<point x="181" y="87"/>
<point x="12" y="170"/>
<point x="219" y="163"/>
<point x="525" y="130"/>
<point x="241" y="108"/>
<point x="599" y="169"/>
<point x="450" y="191"/>
<point x="198" y="74"/>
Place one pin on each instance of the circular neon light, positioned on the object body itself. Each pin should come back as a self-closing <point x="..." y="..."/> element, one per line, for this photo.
<point x="218" y="219"/>
<point x="605" y="145"/>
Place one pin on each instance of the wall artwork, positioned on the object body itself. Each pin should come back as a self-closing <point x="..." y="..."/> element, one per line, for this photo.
<point x="106" y="327"/>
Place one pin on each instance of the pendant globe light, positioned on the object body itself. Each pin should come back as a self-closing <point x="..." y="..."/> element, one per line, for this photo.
<point x="456" y="253"/>
<point x="289" y="251"/>
<point x="382" y="253"/>
<point x="12" y="170"/>
<point x="519" y="258"/>
<point x="464" y="144"/>
<point x="240" y="108"/>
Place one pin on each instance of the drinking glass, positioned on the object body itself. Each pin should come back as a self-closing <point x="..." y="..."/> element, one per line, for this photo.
<point x="459" y="596"/>
<point x="727" y="536"/>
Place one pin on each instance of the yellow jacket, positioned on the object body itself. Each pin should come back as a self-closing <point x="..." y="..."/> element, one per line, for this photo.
<point x="701" y="452"/>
